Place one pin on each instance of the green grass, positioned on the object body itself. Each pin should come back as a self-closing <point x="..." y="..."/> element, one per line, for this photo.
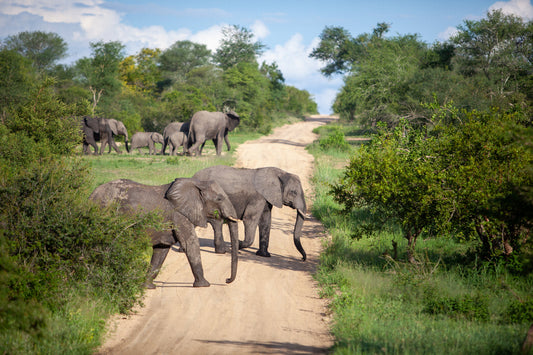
<point x="449" y="303"/>
<point x="159" y="169"/>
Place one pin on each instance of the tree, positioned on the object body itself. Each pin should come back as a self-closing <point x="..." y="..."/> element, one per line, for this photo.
<point x="101" y="72"/>
<point x="277" y="84"/>
<point x="338" y="49"/>
<point x="17" y="77"/>
<point x="471" y="178"/>
<point x="140" y="71"/>
<point x="500" y="47"/>
<point x="182" y="57"/>
<point x="395" y="177"/>
<point x="378" y="89"/>
<point x="44" y="49"/>
<point x="237" y="46"/>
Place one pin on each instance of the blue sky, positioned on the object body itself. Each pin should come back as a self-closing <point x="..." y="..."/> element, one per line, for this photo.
<point x="289" y="28"/>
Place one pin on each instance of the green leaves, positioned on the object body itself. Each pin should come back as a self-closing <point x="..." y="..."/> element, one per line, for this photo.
<point x="468" y="178"/>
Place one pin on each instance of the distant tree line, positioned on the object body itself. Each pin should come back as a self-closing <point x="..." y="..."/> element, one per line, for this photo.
<point x="452" y="151"/>
<point x="154" y="87"/>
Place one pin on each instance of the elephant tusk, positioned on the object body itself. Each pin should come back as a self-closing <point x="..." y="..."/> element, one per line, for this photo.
<point x="233" y="219"/>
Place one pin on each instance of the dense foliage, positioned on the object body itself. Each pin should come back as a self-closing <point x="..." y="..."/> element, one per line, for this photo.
<point x="452" y="153"/>
<point x="56" y="250"/>
<point x="487" y="63"/>
<point x="431" y="247"/>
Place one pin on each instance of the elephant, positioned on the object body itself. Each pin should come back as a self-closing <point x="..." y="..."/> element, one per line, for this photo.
<point x="146" y="139"/>
<point x="253" y="192"/>
<point x="174" y="129"/>
<point x="211" y="125"/>
<point x="185" y="203"/>
<point x="94" y="128"/>
<point x="101" y="129"/>
<point x="117" y="129"/>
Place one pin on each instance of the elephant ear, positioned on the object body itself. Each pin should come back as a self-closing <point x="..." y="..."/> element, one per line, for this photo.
<point x="267" y="183"/>
<point x="92" y="122"/>
<point x="113" y="125"/>
<point x="185" y="197"/>
<point x="233" y="120"/>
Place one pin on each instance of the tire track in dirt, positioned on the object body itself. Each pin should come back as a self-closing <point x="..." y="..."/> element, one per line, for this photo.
<point x="271" y="308"/>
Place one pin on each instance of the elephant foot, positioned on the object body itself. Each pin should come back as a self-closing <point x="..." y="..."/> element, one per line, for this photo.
<point x="263" y="253"/>
<point x="243" y="245"/>
<point x="202" y="283"/>
<point x="220" y="250"/>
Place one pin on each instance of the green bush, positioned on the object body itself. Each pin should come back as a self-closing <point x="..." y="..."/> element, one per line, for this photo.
<point x="470" y="307"/>
<point x="519" y="312"/>
<point x="335" y="141"/>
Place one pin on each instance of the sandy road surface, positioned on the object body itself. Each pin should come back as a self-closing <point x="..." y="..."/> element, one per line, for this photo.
<point x="271" y="308"/>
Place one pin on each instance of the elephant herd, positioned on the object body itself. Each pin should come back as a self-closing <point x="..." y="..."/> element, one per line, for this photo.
<point x="214" y="195"/>
<point x="192" y="135"/>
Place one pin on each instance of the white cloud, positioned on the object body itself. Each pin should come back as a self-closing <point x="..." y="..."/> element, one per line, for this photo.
<point x="293" y="58"/>
<point x="520" y="8"/>
<point x="211" y="37"/>
<point x="302" y="71"/>
<point x="447" y="33"/>
<point x="260" y="30"/>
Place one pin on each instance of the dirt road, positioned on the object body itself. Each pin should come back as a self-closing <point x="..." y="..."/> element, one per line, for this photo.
<point x="271" y="308"/>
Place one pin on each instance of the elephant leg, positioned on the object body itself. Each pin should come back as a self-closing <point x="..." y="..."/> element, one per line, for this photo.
<point x="220" y="246"/>
<point x="251" y="220"/>
<point x="193" y="150"/>
<point x="191" y="247"/>
<point x="218" y="144"/>
<point x="201" y="148"/>
<point x="151" y="148"/>
<point x="158" y="257"/>
<point x="264" y="231"/>
<point x="226" y="139"/>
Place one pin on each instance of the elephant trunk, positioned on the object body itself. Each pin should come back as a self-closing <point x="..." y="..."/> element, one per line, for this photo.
<point x="126" y="143"/>
<point x="234" y="233"/>
<point x="298" y="233"/>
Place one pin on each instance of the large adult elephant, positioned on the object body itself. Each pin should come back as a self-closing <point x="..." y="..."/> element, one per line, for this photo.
<point x="117" y="129"/>
<point x="175" y="135"/>
<point x="94" y="129"/>
<point x="185" y="203"/>
<point x="146" y="139"/>
<point x="253" y="192"/>
<point x="101" y="129"/>
<point x="211" y="125"/>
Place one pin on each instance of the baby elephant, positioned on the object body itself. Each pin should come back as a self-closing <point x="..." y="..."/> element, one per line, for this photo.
<point x="185" y="203"/>
<point x="146" y="139"/>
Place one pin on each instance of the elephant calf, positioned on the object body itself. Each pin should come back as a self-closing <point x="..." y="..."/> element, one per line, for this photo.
<point x="185" y="203"/>
<point x="146" y="139"/>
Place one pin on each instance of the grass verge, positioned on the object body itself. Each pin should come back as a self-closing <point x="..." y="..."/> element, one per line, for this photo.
<point x="449" y="303"/>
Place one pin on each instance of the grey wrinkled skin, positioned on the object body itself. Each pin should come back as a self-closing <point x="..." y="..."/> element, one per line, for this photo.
<point x="146" y="139"/>
<point x="102" y="129"/>
<point x="175" y="135"/>
<point x="211" y="125"/>
<point x="185" y="203"/>
<point x="117" y="129"/>
<point x="253" y="192"/>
